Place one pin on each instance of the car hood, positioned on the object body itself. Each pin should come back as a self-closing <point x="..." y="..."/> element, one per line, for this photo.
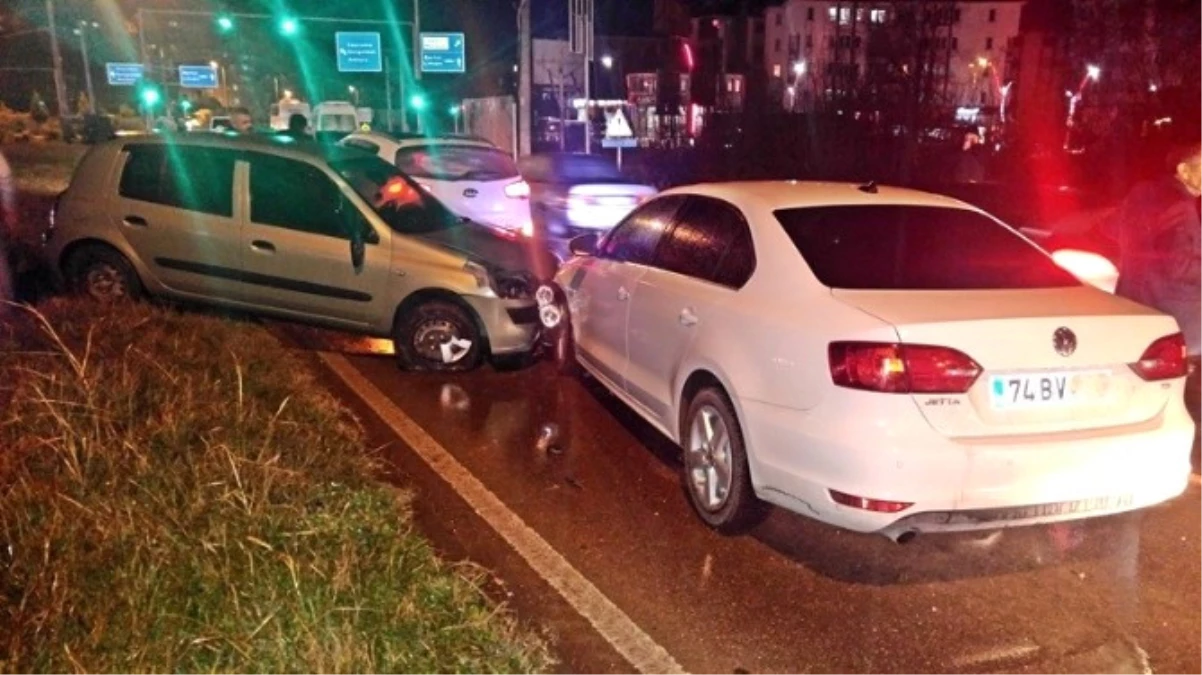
<point x="495" y="250"/>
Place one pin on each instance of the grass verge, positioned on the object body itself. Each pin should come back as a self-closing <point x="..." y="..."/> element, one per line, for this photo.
<point x="177" y="494"/>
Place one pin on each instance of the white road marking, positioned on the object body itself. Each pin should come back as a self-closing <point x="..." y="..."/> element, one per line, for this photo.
<point x="996" y="654"/>
<point x="623" y="634"/>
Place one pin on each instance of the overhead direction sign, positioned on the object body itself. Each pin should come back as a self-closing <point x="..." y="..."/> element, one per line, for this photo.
<point x="443" y="53"/>
<point x="198" y="77"/>
<point x="124" y="74"/>
<point x="358" y="52"/>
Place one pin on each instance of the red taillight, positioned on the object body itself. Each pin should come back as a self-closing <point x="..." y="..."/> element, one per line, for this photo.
<point x="1164" y="359"/>
<point x="878" y="505"/>
<point x="901" y="369"/>
<point x="518" y="190"/>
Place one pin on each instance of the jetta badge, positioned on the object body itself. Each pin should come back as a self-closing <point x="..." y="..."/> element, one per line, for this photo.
<point x="470" y="193"/>
<point x="1064" y="341"/>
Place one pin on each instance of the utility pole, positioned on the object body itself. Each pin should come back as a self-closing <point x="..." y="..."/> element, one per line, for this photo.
<point x="87" y="66"/>
<point x="56" y="56"/>
<point x="524" y="78"/>
<point x="581" y="41"/>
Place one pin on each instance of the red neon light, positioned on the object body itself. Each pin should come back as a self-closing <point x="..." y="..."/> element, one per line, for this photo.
<point x="688" y="56"/>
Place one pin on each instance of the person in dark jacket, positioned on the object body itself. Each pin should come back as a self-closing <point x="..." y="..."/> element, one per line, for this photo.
<point x="298" y="128"/>
<point x="969" y="166"/>
<point x="1159" y="236"/>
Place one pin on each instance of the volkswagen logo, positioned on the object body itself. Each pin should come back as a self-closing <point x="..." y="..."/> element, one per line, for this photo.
<point x="470" y="193"/>
<point x="1064" y="341"/>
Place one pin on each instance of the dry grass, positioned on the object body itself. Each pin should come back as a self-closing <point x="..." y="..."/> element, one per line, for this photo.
<point x="178" y="495"/>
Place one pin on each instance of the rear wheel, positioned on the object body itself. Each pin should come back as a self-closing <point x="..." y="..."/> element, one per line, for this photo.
<point x="103" y="274"/>
<point x="437" y="335"/>
<point x="716" y="476"/>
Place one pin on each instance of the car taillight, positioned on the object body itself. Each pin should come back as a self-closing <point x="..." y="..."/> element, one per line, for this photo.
<point x="1164" y="359"/>
<point x="901" y="369"/>
<point x="878" y="505"/>
<point x="518" y="190"/>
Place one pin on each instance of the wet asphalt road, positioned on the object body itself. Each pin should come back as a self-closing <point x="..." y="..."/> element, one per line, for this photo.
<point x="1120" y="594"/>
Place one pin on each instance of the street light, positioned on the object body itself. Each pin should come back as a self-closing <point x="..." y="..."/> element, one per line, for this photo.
<point x="982" y="62"/>
<point x="417" y="102"/>
<point x="799" y="68"/>
<point x="607" y="61"/>
<point x="225" y="23"/>
<point x="1093" y="72"/>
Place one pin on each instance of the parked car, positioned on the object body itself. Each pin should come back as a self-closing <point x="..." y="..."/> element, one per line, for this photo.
<point x="881" y="359"/>
<point x="472" y="177"/>
<point x="573" y="194"/>
<point x="325" y="235"/>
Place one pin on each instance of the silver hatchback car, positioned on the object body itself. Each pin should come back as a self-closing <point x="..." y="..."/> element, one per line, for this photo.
<point x="325" y="235"/>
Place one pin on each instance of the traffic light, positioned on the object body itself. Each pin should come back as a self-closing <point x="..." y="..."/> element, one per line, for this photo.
<point x="149" y="95"/>
<point x="225" y="23"/>
<point x="289" y="26"/>
<point x="418" y="102"/>
<point x="186" y="106"/>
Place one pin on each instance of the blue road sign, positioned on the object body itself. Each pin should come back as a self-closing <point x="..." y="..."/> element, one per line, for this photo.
<point x="124" y="74"/>
<point x="443" y="53"/>
<point x="619" y="142"/>
<point x="198" y="77"/>
<point x="358" y="52"/>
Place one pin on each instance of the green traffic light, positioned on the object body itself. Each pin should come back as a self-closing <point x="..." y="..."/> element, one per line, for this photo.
<point x="150" y="97"/>
<point x="289" y="26"/>
<point x="417" y="102"/>
<point x="186" y="105"/>
<point x="225" y="24"/>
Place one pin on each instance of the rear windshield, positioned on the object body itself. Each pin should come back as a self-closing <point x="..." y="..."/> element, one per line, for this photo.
<point x="444" y="161"/>
<point x="916" y="247"/>
<point x="576" y="168"/>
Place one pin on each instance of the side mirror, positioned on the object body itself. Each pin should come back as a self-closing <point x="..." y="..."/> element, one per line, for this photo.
<point x="584" y="245"/>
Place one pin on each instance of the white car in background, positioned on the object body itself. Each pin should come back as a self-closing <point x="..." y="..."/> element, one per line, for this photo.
<point x="473" y="178"/>
<point x="881" y="359"/>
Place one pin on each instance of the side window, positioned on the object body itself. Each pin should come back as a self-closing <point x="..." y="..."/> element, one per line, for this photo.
<point x="707" y="233"/>
<point x="635" y="238"/>
<point x="186" y="177"/>
<point x="295" y="195"/>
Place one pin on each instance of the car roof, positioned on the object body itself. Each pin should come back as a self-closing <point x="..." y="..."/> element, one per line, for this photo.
<point x="283" y="146"/>
<point x="788" y="194"/>
<point x="403" y="139"/>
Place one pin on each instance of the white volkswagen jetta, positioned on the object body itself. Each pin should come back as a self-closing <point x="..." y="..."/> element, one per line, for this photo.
<point x="881" y="359"/>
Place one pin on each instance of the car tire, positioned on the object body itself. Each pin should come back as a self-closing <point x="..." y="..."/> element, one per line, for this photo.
<point x="715" y="472"/>
<point x="419" y="334"/>
<point x="103" y="275"/>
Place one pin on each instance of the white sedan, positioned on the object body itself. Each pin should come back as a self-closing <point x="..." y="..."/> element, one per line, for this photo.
<point x="880" y="359"/>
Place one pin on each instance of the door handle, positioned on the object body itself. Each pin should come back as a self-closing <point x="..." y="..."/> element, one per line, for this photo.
<point x="135" y="221"/>
<point x="688" y="317"/>
<point x="264" y="246"/>
<point x="623" y="294"/>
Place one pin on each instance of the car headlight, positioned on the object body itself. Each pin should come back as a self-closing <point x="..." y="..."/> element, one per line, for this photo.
<point x="506" y="284"/>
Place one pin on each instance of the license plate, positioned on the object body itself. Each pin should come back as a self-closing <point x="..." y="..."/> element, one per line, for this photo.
<point x="1034" y="390"/>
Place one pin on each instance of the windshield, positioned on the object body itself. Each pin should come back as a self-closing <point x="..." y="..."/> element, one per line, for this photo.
<point x="447" y="161"/>
<point x="896" y="247"/>
<point x="400" y="202"/>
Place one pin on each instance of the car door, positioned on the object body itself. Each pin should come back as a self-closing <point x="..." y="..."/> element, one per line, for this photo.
<point x="175" y="207"/>
<point x="698" y="267"/>
<point x="606" y="281"/>
<point x="296" y="244"/>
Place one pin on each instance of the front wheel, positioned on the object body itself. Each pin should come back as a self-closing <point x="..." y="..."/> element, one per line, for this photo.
<point x="716" y="476"/>
<point x="437" y="336"/>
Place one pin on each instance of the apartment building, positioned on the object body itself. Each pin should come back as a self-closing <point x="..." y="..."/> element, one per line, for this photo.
<point x="816" y="52"/>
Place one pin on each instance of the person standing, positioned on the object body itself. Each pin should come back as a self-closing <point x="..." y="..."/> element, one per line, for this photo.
<point x="1159" y="236"/>
<point x="8" y="226"/>
<point x="240" y="120"/>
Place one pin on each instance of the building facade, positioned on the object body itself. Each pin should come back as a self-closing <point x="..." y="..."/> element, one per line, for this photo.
<point x="816" y="52"/>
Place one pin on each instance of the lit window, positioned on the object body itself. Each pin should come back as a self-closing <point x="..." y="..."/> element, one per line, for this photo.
<point x="776" y="69"/>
